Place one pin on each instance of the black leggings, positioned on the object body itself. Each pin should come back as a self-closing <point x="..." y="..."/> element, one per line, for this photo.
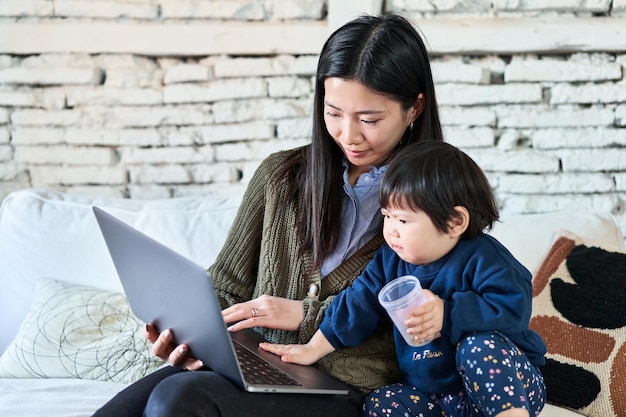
<point x="174" y="392"/>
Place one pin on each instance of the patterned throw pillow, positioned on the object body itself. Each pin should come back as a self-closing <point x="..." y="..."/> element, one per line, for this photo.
<point x="579" y="308"/>
<point x="74" y="331"/>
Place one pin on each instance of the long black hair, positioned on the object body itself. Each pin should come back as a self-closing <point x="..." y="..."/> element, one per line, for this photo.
<point x="387" y="55"/>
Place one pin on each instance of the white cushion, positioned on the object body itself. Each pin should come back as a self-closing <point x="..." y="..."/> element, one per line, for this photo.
<point x="75" y="331"/>
<point x="530" y="236"/>
<point x="55" y="235"/>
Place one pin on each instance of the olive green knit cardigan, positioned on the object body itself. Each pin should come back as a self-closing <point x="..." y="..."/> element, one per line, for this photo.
<point x="261" y="256"/>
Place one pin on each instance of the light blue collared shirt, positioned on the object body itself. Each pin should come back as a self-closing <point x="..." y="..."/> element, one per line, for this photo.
<point x="360" y="217"/>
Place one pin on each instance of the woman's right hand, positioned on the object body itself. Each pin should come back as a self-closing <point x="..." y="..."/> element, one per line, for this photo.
<point x="164" y="346"/>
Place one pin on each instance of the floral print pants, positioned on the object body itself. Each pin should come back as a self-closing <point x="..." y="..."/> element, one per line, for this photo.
<point x="496" y="376"/>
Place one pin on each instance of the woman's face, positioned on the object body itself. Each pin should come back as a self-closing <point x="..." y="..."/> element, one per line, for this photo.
<point x="365" y="125"/>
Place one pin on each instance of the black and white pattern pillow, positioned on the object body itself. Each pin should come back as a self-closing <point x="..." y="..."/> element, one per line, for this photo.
<point x="74" y="331"/>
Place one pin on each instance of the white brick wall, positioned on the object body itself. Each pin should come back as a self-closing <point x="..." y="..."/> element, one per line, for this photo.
<point x="523" y="69"/>
<point x="163" y="98"/>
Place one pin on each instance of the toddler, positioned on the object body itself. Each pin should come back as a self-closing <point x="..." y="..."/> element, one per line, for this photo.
<point x="483" y="359"/>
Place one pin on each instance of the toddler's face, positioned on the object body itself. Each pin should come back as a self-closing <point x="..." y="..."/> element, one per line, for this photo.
<point x="414" y="237"/>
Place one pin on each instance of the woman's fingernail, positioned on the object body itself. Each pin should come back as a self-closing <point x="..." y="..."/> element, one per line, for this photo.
<point x="168" y="333"/>
<point x="182" y="349"/>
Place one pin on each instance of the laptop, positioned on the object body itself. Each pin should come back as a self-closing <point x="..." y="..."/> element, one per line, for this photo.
<point x="172" y="292"/>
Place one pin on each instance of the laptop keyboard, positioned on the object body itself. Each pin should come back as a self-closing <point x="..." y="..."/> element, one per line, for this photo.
<point x="258" y="371"/>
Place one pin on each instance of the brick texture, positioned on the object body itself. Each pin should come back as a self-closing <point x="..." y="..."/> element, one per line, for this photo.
<point x="546" y="121"/>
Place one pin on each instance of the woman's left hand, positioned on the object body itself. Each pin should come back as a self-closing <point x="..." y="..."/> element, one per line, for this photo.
<point x="265" y="311"/>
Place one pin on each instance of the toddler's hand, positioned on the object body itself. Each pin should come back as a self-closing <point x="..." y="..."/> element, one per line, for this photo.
<point x="307" y="354"/>
<point x="301" y="354"/>
<point x="426" y="321"/>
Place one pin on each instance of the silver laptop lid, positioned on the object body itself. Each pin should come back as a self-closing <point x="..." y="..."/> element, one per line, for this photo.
<point x="161" y="290"/>
<point x="172" y="292"/>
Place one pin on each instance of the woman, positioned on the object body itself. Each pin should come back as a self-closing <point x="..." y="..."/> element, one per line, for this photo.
<point x="308" y="224"/>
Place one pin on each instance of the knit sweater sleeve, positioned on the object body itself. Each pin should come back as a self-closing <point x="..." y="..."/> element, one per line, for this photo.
<point x="235" y="269"/>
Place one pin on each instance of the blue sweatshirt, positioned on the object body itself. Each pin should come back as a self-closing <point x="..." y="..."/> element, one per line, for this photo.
<point x="484" y="288"/>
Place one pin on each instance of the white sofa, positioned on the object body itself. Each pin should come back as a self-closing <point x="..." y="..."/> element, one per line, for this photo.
<point x="49" y="368"/>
